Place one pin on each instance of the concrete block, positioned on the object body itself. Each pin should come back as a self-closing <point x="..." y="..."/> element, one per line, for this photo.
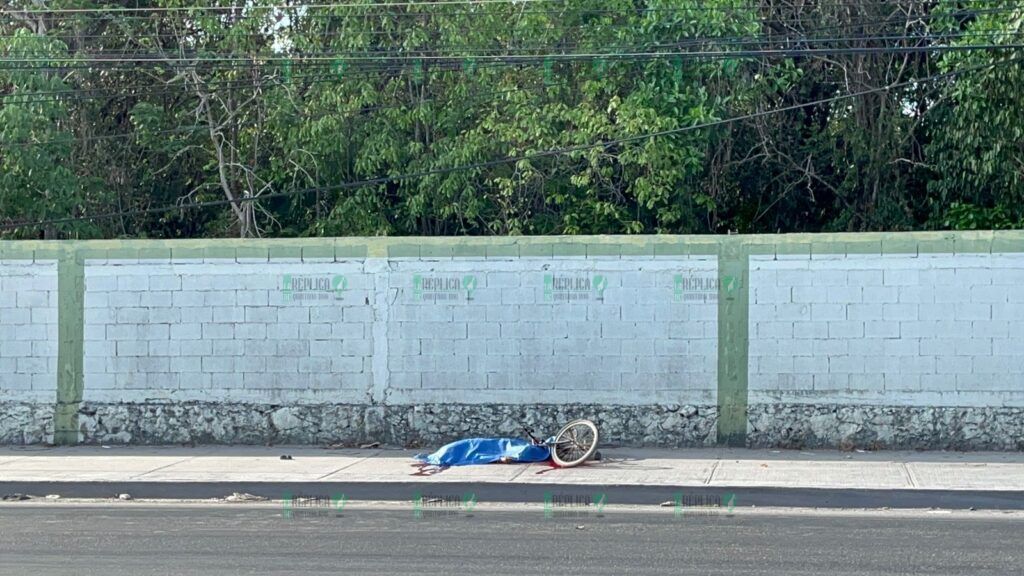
<point x="794" y="278"/>
<point x="830" y="278"/>
<point x="972" y="311"/>
<point x="954" y="365"/>
<point x="15" y="316"/>
<point x="199" y="315"/>
<point x="294" y="314"/>
<point x="917" y="364"/>
<point x="828" y="312"/>
<point x="832" y="381"/>
<point x="584" y="329"/>
<point x="364" y="314"/>
<point x="133" y="282"/>
<point x="810" y="294"/>
<point x="261" y="380"/>
<point x="213" y="364"/>
<point x="880" y="294"/>
<point x="775" y="330"/>
<point x="228" y="347"/>
<point x="916" y="294"/>
<point x="250" y="331"/>
<point x="188" y="298"/>
<point x="1013" y="346"/>
<point x="899" y="312"/>
<point x="847" y="364"/>
<point x="945" y="347"/>
<point x="404" y="380"/>
<point x="186" y="365"/>
<point x="896" y="276"/>
<point x="228" y="314"/>
<point x="195" y="347"/>
<point x="990" y="294"/>
<point x="685" y="330"/>
<point x="452" y="380"/>
<point x="276" y="331"/>
<point x="188" y="331"/>
<point x="810" y="330"/>
<point x="218" y="331"/>
<point x="259" y="347"/>
<point x="864" y="278"/>
<point x="846" y="329"/>
<point x="648" y="347"/>
<point x="772" y="294"/>
<point x="328" y="348"/>
<point x="164" y="348"/>
<point x="315" y="332"/>
<point x="165" y="315"/>
<point x="867" y="382"/>
<point x="262" y="315"/>
<point x="811" y="364"/>
<point x="122" y="299"/>
<point x="296" y="348"/>
<point x="829" y="348"/>
<point x="283" y="365"/>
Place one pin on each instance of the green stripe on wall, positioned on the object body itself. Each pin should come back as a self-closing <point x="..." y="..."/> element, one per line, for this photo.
<point x="733" y="340"/>
<point x="70" y="346"/>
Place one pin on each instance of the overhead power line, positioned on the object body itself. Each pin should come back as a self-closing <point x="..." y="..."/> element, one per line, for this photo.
<point x="237" y="62"/>
<point x="510" y="159"/>
<point x="385" y="52"/>
<point x="407" y="4"/>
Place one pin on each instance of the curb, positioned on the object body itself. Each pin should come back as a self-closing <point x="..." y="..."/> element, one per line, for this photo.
<point x="504" y="492"/>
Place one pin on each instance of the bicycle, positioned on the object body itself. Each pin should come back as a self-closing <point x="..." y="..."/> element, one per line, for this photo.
<point x="573" y="445"/>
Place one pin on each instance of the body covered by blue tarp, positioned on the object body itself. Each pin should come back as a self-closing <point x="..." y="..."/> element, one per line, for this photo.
<point x="486" y="451"/>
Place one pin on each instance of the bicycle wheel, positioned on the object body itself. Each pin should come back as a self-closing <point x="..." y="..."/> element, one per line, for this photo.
<point x="575" y="443"/>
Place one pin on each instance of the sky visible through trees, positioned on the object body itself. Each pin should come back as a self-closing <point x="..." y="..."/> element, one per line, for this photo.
<point x="270" y="118"/>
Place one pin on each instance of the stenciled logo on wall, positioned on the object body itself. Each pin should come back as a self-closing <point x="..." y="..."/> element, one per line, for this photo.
<point x="313" y="288"/>
<point x="443" y="288"/>
<point x="574" y="288"/>
<point x="695" y="287"/>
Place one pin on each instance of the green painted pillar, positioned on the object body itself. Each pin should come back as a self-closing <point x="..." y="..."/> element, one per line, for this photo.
<point x="70" y="345"/>
<point x="733" y="340"/>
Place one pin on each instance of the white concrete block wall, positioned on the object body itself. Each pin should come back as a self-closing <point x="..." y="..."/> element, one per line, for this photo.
<point x="928" y="330"/>
<point x="227" y="331"/>
<point x="28" y="330"/>
<point x="541" y="330"/>
<point x="224" y="331"/>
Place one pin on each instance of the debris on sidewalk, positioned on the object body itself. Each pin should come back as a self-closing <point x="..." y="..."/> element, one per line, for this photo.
<point x="124" y="496"/>
<point x="286" y="456"/>
<point x="15" y="497"/>
<point x="668" y="503"/>
<point x="53" y="496"/>
<point x="370" y="445"/>
<point x="244" y="497"/>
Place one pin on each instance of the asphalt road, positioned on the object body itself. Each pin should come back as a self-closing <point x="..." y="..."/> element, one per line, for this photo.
<point x="137" y="539"/>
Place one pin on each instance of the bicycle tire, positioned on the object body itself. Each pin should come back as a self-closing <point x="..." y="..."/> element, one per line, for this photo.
<point x="575" y="443"/>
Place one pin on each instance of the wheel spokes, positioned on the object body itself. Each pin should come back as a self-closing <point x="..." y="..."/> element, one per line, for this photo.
<point x="575" y="443"/>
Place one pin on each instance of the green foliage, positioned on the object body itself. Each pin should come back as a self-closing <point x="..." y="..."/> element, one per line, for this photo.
<point x="425" y="102"/>
<point x="976" y="145"/>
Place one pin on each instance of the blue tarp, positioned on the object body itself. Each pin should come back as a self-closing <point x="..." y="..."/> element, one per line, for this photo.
<point x="486" y="451"/>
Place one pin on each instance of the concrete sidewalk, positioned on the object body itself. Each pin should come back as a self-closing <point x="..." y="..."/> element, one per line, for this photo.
<point x="627" y="475"/>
